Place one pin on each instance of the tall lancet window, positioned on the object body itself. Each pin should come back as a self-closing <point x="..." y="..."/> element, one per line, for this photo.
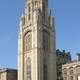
<point x="46" y="41"/>
<point x="44" y="11"/>
<point x="28" y="41"/>
<point x="29" y="11"/>
<point x="28" y="69"/>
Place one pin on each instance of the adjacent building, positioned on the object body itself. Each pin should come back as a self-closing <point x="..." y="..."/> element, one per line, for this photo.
<point x="36" y="42"/>
<point x="62" y="57"/>
<point x="8" y="74"/>
<point x="71" y="70"/>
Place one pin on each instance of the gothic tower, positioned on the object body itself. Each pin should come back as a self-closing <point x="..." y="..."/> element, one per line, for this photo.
<point x="36" y="43"/>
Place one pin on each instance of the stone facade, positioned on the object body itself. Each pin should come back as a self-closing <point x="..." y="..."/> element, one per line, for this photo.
<point x="8" y="74"/>
<point x="36" y="41"/>
<point x="71" y="71"/>
<point x="62" y="57"/>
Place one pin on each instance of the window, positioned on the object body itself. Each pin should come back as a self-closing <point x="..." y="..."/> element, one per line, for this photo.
<point x="35" y="3"/>
<point x="78" y="69"/>
<point x="28" y="42"/>
<point x="29" y="8"/>
<point x="43" y="11"/>
<point x="46" y="41"/>
<point x="64" y="71"/>
<point x="59" y="73"/>
<point x="65" y="78"/>
<point x="71" y="78"/>
<point x="45" y="70"/>
<point x="29" y="16"/>
<point x="71" y="71"/>
<point x="29" y="11"/>
<point x="28" y="69"/>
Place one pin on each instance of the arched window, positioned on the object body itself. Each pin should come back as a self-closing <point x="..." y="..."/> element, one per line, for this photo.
<point x="64" y="71"/>
<point x="28" y="69"/>
<point x="28" y="41"/>
<point x="71" y="70"/>
<point x="78" y="69"/>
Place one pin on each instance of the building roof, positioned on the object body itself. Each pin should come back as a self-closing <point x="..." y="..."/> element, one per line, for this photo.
<point x="7" y="69"/>
<point x="71" y="64"/>
<point x="62" y="52"/>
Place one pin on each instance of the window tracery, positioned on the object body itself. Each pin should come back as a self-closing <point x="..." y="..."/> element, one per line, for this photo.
<point x="28" y="41"/>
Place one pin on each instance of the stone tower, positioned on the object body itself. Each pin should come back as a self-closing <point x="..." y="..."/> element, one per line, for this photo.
<point x="36" y="43"/>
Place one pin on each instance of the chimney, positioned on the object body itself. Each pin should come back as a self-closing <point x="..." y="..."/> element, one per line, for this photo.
<point x="78" y="56"/>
